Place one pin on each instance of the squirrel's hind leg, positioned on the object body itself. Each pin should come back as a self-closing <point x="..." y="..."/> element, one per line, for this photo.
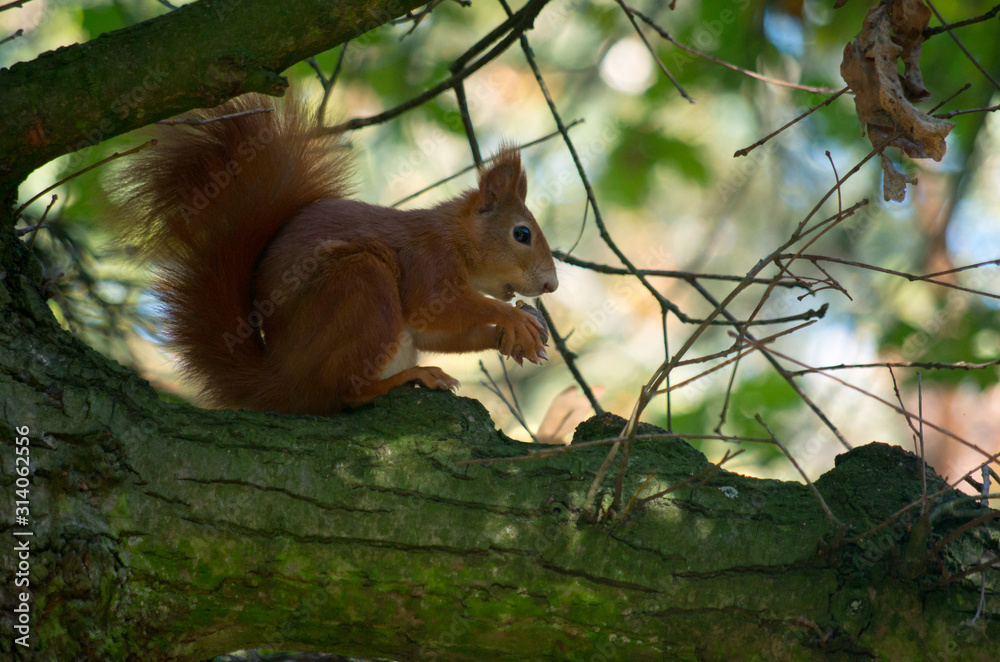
<point x="427" y="376"/>
<point x="345" y="331"/>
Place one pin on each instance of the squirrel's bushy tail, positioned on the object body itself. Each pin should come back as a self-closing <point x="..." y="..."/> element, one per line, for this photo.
<point x="202" y="205"/>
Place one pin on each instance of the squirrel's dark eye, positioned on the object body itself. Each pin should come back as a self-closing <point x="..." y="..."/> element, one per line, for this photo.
<point x="522" y="235"/>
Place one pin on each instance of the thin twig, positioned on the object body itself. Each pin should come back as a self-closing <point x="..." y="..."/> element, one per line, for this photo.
<point x="955" y="270"/>
<point x="968" y="526"/>
<point x="969" y="55"/>
<point x="602" y="471"/>
<point x="961" y="365"/>
<point x="825" y="102"/>
<point x="516" y="24"/>
<point x="986" y="463"/>
<point x="470" y="130"/>
<point x="652" y="51"/>
<point x="737" y="347"/>
<point x="637" y="493"/>
<point x="327" y="83"/>
<point x="753" y="74"/>
<point x="466" y="169"/>
<point x="12" y="37"/>
<point x="930" y="32"/>
<point x="418" y="16"/>
<point x="116" y="155"/>
<point x="665" y="273"/>
<point x="557" y="451"/>
<point x="209" y="120"/>
<point x="902" y="274"/>
<point x="885" y="402"/>
<point x="579" y="236"/>
<point x="514" y="410"/>
<point x="955" y="113"/>
<point x="940" y="105"/>
<point x="20" y="232"/>
<point x="701" y="477"/>
<point x="513" y="397"/>
<point x="909" y="422"/>
<point x="822" y="502"/>
<point x="17" y="4"/>
<point x="570" y="359"/>
<point x="979" y="567"/>
<point x="41" y="222"/>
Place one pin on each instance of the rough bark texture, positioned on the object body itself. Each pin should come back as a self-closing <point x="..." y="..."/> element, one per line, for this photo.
<point x="165" y="532"/>
<point x="196" y="56"/>
<point x="162" y="532"/>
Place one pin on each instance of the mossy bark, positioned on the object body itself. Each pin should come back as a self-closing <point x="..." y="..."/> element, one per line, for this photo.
<point x="196" y="56"/>
<point x="163" y="532"/>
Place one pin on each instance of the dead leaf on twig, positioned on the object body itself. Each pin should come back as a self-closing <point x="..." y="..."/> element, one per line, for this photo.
<point x="883" y="98"/>
<point x="909" y="20"/>
<point x="893" y="181"/>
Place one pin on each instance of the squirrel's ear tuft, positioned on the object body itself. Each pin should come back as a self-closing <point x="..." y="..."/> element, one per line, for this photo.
<point x="504" y="178"/>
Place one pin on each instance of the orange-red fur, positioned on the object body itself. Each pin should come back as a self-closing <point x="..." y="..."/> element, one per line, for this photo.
<point x="282" y="294"/>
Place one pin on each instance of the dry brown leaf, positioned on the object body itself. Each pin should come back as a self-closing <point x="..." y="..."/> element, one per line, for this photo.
<point x="884" y="99"/>
<point x="909" y="20"/>
<point x="893" y="181"/>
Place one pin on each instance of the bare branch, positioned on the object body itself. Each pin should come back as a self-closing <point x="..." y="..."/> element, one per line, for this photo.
<point x="470" y="168"/>
<point x="885" y="402"/>
<point x="209" y="120"/>
<point x="930" y="32"/>
<point x="819" y="497"/>
<point x="960" y="365"/>
<point x="631" y="11"/>
<point x="826" y="102"/>
<point x="17" y="4"/>
<point x="116" y="155"/>
<point x="652" y="51"/>
<point x="516" y="25"/>
<point x="969" y="55"/>
<point x="570" y="359"/>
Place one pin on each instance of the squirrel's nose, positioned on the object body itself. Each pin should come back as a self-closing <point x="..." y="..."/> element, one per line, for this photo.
<point x="550" y="284"/>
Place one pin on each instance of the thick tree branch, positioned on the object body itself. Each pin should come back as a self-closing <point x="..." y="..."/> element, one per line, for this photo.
<point x="196" y="56"/>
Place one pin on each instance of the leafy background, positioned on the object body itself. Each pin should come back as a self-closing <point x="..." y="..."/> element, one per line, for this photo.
<point x="673" y="195"/>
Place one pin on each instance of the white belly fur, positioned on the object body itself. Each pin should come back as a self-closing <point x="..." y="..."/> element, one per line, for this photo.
<point x="405" y="357"/>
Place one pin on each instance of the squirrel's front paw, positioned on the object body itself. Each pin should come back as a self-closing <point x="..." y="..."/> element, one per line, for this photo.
<point x="524" y="336"/>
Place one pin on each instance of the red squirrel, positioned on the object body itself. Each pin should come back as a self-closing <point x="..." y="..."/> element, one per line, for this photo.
<point x="280" y="293"/>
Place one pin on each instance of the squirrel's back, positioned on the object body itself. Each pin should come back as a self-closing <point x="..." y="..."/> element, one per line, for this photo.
<point x="203" y="204"/>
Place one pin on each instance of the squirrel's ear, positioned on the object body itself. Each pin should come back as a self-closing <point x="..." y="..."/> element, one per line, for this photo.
<point x="504" y="179"/>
